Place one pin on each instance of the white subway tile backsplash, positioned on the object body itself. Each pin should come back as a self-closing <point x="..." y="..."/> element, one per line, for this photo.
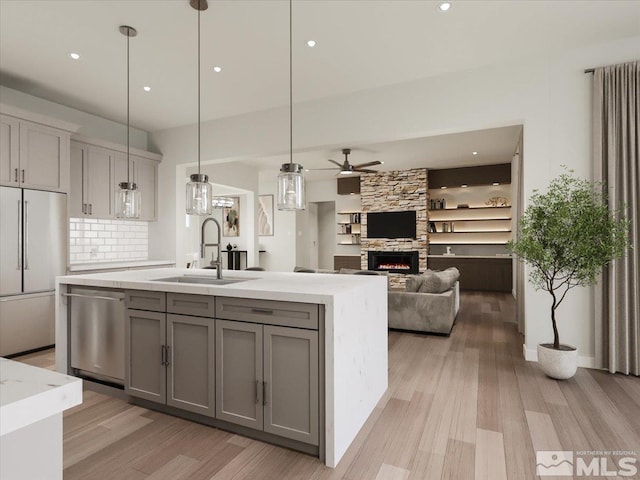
<point x="93" y="240"/>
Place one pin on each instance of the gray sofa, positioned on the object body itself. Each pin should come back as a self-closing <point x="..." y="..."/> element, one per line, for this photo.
<point x="422" y="311"/>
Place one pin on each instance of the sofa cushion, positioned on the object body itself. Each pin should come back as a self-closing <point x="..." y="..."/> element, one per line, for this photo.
<point x="438" y="282"/>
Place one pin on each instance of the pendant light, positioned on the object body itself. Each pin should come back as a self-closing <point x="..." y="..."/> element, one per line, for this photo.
<point x="199" y="190"/>
<point x="291" y="179"/>
<point x="128" y="198"/>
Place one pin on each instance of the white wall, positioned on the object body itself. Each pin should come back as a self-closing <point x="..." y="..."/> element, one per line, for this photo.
<point x="326" y="234"/>
<point x="90" y="125"/>
<point x="280" y="248"/>
<point x="549" y="95"/>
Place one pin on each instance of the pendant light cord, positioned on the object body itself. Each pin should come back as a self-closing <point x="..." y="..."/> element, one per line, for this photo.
<point x="290" y="83"/>
<point x="198" y="89"/>
<point x="128" y="37"/>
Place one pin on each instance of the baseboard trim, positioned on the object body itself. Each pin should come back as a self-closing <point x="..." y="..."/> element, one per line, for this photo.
<point x="531" y="355"/>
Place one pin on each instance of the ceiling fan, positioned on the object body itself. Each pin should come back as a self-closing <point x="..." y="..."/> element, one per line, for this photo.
<point x="347" y="169"/>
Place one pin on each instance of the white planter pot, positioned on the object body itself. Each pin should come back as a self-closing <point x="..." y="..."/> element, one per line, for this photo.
<point x="558" y="364"/>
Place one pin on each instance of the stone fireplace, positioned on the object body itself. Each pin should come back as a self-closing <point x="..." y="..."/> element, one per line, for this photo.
<point x="395" y="191"/>
<point x="394" y="262"/>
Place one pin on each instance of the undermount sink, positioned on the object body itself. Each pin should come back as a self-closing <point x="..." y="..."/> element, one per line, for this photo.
<point x="202" y="280"/>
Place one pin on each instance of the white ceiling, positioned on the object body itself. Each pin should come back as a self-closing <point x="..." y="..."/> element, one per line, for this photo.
<point x="495" y="145"/>
<point x="362" y="44"/>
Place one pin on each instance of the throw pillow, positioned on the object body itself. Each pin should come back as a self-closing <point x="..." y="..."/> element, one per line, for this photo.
<point x="413" y="283"/>
<point x="439" y="282"/>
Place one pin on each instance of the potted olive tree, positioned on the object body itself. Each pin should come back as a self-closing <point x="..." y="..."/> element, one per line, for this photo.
<point x="566" y="236"/>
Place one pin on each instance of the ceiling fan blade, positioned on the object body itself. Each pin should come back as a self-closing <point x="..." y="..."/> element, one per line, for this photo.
<point x="328" y="168"/>
<point x="368" y="164"/>
<point x="333" y="161"/>
<point x="365" y="170"/>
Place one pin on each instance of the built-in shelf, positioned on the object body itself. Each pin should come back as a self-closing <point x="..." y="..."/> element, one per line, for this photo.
<point x="470" y="238"/>
<point x="478" y="226"/>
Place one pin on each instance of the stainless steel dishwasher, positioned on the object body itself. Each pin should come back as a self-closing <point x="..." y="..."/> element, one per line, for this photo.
<point x="97" y="333"/>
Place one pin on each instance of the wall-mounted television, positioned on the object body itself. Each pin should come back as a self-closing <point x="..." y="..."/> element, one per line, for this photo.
<point x="391" y="224"/>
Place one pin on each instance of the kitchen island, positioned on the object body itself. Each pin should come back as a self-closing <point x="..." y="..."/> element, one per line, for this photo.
<point x="32" y="400"/>
<point x="343" y="319"/>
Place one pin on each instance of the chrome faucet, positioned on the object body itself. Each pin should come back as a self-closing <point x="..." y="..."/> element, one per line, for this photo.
<point x="216" y="263"/>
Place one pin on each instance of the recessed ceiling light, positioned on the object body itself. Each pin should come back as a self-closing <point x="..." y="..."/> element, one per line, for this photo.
<point x="217" y="69"/>
<point x="146" y="88"/>
<point x="381" y="163"/>
<point x="306" y="169"/>
<point x="74" y="56"/>
<point x="444" y="6"/>
<point x="464" y="185"/>
<point x="311" y="43"/>
<point x="474" y="153"/>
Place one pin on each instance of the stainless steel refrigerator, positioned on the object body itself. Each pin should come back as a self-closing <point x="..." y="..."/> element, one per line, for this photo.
<point x="33" y="251"/>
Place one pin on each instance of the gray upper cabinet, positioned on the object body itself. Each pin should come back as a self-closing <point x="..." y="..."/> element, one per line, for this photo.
<point x="239" y="373"/>
<point x="291" y="383"/>
<point x="145" y="355"/>
<point x="144" y="173"/>
<point x="96" y="176"/>
<point x="9" y="150"/>
<point x="90" y="192"/>
<point x="190" y="364"/>
<point x="33" y="155"/>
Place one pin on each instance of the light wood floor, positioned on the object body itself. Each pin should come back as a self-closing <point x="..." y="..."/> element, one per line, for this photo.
<point x="463" y="407"/>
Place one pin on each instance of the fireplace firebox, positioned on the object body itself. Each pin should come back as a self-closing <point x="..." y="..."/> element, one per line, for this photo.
<point x="394" y="262"/>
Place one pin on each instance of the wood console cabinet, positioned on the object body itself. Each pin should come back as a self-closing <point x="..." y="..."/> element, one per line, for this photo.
<point x="487" y="274"/>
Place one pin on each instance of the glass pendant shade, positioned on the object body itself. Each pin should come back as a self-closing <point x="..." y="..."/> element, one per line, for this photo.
<point x="291" y="195"/>
<point x="199" y="195"/>
<point x="128" y="201"/>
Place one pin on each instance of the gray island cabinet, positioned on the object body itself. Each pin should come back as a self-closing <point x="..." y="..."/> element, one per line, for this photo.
<point x="294" y="359"/>
<point x="169" y="356"/>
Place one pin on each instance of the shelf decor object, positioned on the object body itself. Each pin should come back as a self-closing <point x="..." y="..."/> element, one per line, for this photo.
<point x="291" y="195"/>
<point x="128" y="198"/>
<point x="199" y="190"/>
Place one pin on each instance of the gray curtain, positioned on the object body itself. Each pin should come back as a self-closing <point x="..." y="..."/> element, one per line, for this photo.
<point x="616" y="132"/>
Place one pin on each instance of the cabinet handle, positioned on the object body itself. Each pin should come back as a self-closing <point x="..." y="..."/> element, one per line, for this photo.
<point x="91" y="209"/>
<point x="264" y="393"/>
<point x="256" y="392"/>
<point x="84" y="208"/>
<point x="262" y="311"/>
<point x="168" y="350"/>
<point x="162" y="355"/>
<point x="26" y="235"/>
<point x="23" y="175"/>
<point x="15" y="174"/>
<point x="18" y="230"/>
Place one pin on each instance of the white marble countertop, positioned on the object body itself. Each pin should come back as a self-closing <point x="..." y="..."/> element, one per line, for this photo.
<point x="285" y="286"/>
<point x="29" y="394"/>
<point x="80" y="267"/>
